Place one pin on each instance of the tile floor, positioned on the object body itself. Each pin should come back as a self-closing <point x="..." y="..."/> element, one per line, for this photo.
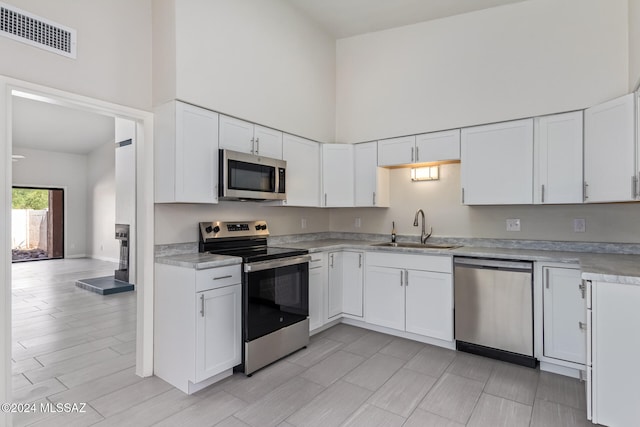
<point x="73" y="346"/>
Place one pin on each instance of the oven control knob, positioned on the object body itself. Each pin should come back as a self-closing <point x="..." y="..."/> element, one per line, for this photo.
<point x="263" y="227"/>
<point x="258" y="227"/>
<point x="216" y="229"/>
<point x="208" y="229"/>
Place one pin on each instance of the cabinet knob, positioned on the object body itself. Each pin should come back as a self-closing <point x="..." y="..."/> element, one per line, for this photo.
<point x="582" y="325"/>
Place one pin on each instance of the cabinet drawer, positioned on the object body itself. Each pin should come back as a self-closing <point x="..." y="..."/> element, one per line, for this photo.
<point x="318" y="260"/>
<point x="213" y="278"/>
<point x="438" y="263"/>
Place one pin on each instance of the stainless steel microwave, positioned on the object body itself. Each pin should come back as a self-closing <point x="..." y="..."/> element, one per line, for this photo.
<point x="247" y="177"/>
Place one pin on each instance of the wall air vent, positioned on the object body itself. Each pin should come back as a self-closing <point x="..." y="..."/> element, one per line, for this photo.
<point x="27" y="28"/>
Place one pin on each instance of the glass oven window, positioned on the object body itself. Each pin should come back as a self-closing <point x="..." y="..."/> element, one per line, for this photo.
<point x="251" y="177"/>
<point x="276" y="298"/>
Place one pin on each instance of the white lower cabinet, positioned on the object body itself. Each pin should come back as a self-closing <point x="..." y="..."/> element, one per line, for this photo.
<point x="345" y="287"/>
<point x="334" y="286"/>
<point x="197" y="325"/>
<point x="218" y="331"/>
<point x="614" y="343"/>
<point x="429" y="304"/>
<point x="564" y="315"/>
<point x="317" y="290"/>
<point x="412" y="293"/>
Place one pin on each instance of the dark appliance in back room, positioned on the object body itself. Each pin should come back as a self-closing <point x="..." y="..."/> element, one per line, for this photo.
<point x="275" y="290"/>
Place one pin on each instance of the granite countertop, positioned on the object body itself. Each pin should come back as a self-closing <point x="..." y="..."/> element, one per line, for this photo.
<point x="620" y="268"/>
<point x="199" y="261"/>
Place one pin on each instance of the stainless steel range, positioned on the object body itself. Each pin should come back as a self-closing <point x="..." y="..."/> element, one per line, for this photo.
<point x="275" y="290"/>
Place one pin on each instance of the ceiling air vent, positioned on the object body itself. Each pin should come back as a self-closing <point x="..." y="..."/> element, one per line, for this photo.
<point x="27" y="28"/>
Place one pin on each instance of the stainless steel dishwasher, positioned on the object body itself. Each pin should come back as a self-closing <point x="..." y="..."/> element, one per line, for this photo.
<point x="494" y="309"/>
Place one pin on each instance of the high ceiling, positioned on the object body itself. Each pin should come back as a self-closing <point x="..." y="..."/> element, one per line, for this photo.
<point x="44" y="126"/>
<point x="345" y="18"/>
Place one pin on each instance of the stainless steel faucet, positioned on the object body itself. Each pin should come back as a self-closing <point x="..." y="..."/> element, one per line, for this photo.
<point x="424" y="236"/>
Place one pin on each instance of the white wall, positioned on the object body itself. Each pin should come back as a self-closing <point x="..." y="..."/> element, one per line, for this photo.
<point x="101" y="203"/>
<point x="178" y="223"/>
<point x="634" y="44"/>
<point x="114" y="50"/>
<point x="62" y="170"/>
<point x="440" y="200"/>
<point x="258" y="60"/>
<point x="520" y="60"/>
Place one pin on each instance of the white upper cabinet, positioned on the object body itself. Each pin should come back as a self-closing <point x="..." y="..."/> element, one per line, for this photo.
<point x="245" y="137"/>
<point x="337" y="175"/>
<point x="424" y="148"/>
<point x="268" y="142"/>
<point x="371" y="181"/>
<point x="497" y="163"/>
<point x="303" y="171"/>
<point x="438" y="146"/>
<point x="185" y="154"/>
<point x="397" y="151"/>
<point x="609" y="151"/>
<point x="558" y="159"/>
<point x="236" y="135"/>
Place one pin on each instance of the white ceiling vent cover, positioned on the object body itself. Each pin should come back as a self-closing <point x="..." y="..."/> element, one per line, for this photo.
<point x="28" y="28"/>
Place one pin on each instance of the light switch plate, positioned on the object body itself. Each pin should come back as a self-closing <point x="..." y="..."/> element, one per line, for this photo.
<point x="358" y="222"/>
<point x="579" y="225"/>
<point x="513" y="224"/>
<point x="303" y="223"/>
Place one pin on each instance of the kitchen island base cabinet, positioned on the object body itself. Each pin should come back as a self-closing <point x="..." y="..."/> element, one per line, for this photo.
<point x="197" y="325"/>
<point x="615" y="351"/>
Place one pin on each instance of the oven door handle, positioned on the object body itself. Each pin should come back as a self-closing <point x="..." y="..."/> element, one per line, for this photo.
<point x="275" y="263"/>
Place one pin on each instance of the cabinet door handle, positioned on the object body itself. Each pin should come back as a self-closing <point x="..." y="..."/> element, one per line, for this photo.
<point x="406" y="277"/>
<point x="316" y="260"/>
<point x="374" y="198"/>
<point x="417" y="154"/>
<point x="202" y="305"/>
<point x="546" y="278"/>
<point x="634" y="185"/>
<point x="223" y="277"/>
<point x="257" y="145"/>
<point x="253" y="145"/>
<point x="585" y="196"/>
<point x="325" y="199"/>
<point x="401" y="277"/>
<point x="463" y="195"/>
<point x="582" y="325"/>
<point x="583" y="289"/>
<point x="331" y="260"/>
<point x="542" y="193"/>
<point x="359" y="260"/>
<point x="411" y="154"/>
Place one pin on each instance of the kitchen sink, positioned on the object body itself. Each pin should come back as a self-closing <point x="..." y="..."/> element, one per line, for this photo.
<point x="416" y="245"/>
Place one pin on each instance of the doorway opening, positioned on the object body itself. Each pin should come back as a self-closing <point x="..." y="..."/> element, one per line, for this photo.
<point x="37" y="224"/>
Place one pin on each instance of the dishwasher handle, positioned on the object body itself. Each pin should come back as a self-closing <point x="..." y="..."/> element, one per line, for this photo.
<point x="493" y="264"/>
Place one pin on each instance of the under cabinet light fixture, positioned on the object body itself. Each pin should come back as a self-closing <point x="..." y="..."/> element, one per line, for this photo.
<point x="425" y="173"/>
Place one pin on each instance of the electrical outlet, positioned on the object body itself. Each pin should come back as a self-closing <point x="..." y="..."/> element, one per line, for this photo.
<point x="303" y="223"/>
<point x="579" y="225"/>
<point x="358" y="222"/>
<point x="513" y="224"/>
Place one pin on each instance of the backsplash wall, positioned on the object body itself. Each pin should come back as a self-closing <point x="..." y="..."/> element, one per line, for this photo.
<point x="440" y="200"/>
<point x="616" y="223"/>
<point x="177" y="223"/>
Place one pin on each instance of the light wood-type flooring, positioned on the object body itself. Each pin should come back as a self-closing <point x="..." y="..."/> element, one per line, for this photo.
<point x="74" y="346"/>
